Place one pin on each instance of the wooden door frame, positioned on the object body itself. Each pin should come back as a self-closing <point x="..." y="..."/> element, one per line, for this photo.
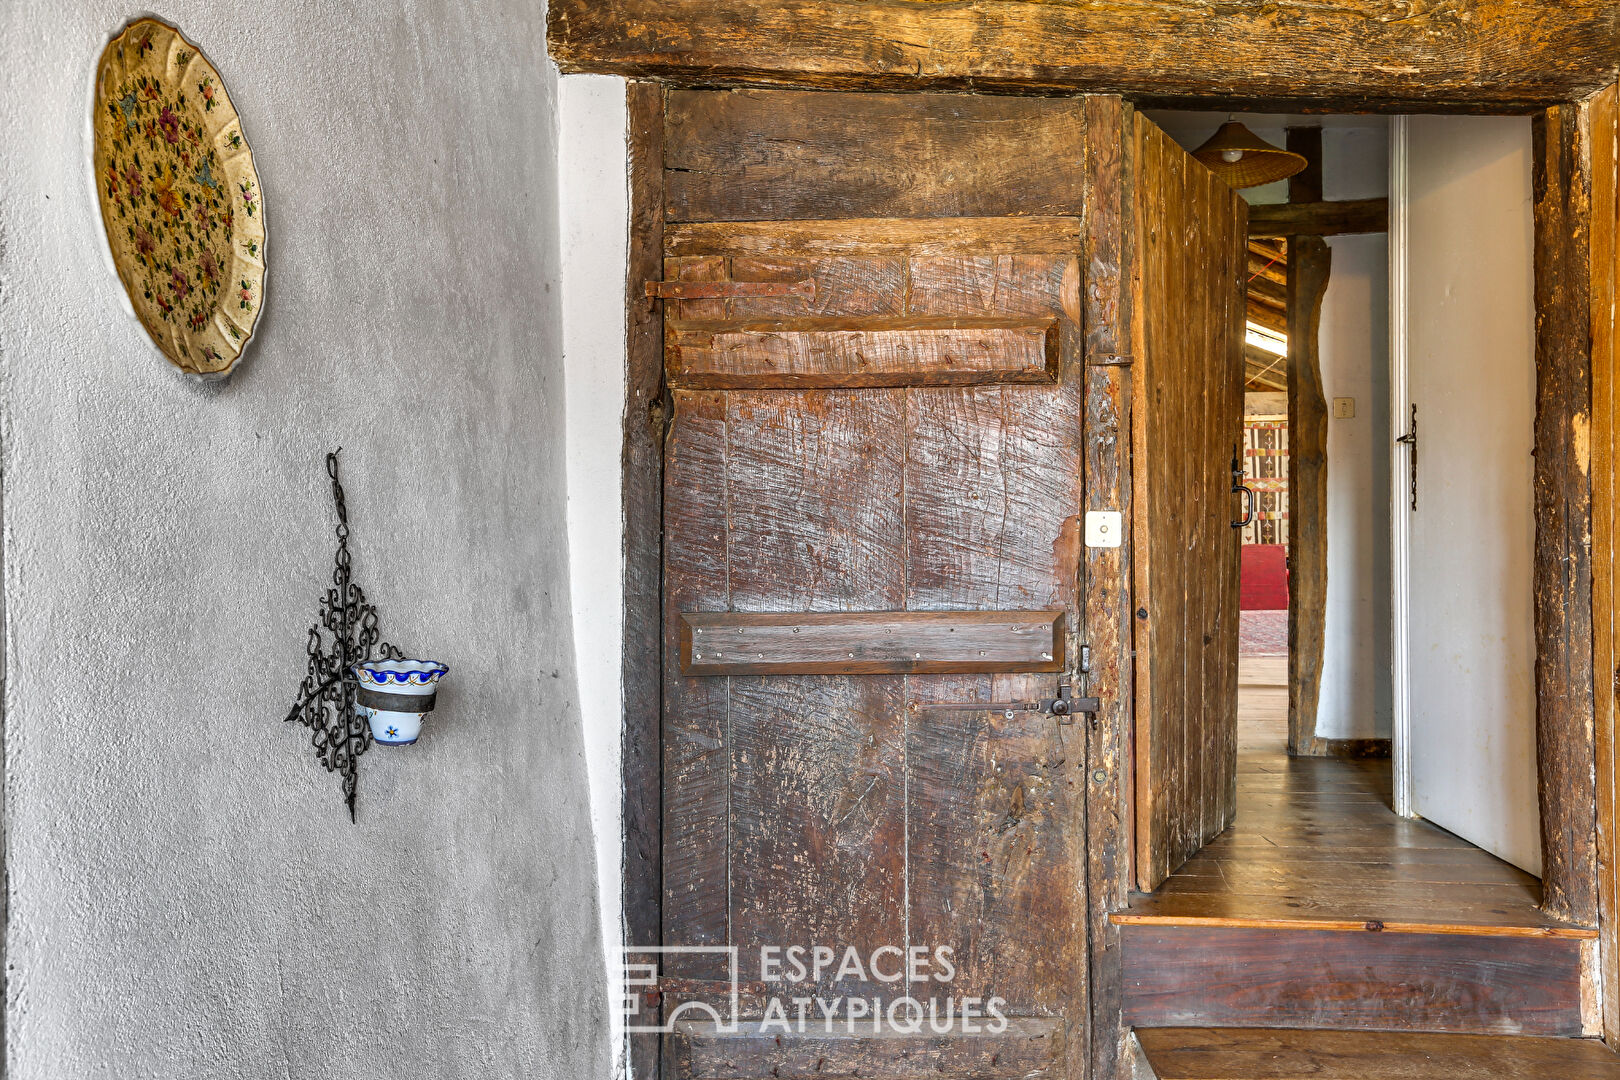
<point x="1567" y="730"/>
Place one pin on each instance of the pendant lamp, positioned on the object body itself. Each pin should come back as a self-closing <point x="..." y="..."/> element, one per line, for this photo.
<point x="1243" y="159"/>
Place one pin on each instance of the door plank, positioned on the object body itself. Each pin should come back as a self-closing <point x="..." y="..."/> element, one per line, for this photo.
<point x="843" y="352"/>
<point x="865" y="643"/>
<point x="763" y="155"/>
<point x="1185" y="422"/>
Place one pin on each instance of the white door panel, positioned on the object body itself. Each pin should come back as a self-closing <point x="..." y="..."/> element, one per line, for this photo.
<point x="1468" y="309"/>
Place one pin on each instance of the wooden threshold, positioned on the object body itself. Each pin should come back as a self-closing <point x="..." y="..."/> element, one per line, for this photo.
<point x="1270" y="1054"/>
<point x="1129" y="918"/>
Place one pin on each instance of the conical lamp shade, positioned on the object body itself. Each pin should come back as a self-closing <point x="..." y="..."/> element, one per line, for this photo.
<point x="1258" y="162"/>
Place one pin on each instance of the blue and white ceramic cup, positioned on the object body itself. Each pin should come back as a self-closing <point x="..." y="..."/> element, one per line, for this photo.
<point x="394" y="694"/>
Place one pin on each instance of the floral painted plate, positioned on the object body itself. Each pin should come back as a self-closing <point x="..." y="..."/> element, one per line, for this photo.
<point x="179" y="197"/>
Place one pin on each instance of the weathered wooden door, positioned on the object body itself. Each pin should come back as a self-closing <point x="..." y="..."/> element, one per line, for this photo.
<point x="872" y="513"/>
<point x="1187" y="421"/>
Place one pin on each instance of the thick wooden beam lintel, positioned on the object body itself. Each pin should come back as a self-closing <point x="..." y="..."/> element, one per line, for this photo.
<point x="1295" y="55"/>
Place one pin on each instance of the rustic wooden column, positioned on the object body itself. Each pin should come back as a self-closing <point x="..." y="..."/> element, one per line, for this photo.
<point x="1563" y="500"/>
<point x="1309" y="263"/>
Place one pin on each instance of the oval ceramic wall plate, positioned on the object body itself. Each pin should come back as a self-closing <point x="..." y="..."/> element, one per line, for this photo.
<point x="179" y="197"/>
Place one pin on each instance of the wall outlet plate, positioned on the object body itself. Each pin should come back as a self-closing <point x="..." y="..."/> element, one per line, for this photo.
<point x="1104" y="528"/>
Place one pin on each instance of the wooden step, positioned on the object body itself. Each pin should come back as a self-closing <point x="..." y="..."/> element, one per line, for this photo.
<point x="1269" y="1054"/>
<point x="1478" y="983"/>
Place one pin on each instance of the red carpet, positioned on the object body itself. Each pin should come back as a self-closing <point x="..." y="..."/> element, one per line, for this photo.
<point x="1265" y="578"/>
<point x="1263" y="633"/>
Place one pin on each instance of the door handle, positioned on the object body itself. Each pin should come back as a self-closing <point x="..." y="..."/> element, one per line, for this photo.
<point x="1410" y="439"/>
<point x="1239" y="486"/>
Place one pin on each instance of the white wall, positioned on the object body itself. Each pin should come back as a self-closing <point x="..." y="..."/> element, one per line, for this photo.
<point x="1356" y="701"/>
<point x="1356" y="697"/>
<point x="186" y="895"/>
<point x="595" y="216"/>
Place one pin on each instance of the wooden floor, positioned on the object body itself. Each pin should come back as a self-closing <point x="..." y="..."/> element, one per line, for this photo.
<point x="1316" y="845"/>
<point x="1261" y="1054"/>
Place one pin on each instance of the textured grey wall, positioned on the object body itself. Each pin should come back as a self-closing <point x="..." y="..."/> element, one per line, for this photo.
<point x="187" y="897"/>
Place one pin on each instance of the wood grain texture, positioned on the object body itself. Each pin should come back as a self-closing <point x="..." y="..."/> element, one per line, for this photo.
<point x="833" y="352"/>
<point x="1319" y="218"/>
<point x="872" y="237"/>
<point x="1565" y="735"/>
<point x="1109" y="336"/>
<point x="646" y="410"/>
<point x="1344" y="54"/>
<point x="823" y="808"/>
<point x="1270" y="1054"/>
<point x="1187" y="427"/>
<point x="1315" y="846"/>
<point x="1029" y="1049"/>
<point x="754" y="155"/>
<point x="1240" y="977"/>
<point x="1604" y="126"/>
<point x="869" y="643"/>
<point x="1309" y="266"/>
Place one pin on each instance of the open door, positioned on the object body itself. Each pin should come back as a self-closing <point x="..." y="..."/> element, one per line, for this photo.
<point x="1465" y="408"/>
<point x="1187" y="424"/>
<point x="872" y="513"/>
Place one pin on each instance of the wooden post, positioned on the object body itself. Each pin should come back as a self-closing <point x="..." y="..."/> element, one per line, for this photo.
<point x="1309" y="263"/>
<point x="643" y="462"/>
<point x="1565" y="736"/>
<point x="1110" y="127"/>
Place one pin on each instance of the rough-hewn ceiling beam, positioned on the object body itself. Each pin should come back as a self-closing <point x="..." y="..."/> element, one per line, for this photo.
<point x="1319" y="218"/>
<point x="1393" y="55"/>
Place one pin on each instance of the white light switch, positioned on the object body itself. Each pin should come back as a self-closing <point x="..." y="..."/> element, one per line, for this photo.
<point x="1104" y="528"/>
<point x="1344" y="408"/>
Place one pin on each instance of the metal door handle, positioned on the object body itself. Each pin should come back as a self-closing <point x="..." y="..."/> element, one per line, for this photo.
<point x="1410" y="439"/>
<point x="1237" y="486"/>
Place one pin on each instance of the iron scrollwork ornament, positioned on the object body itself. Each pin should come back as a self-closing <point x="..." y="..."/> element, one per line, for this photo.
<point x="344" y="634"/>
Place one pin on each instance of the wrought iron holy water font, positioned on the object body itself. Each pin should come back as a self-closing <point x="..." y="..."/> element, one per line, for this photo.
<point x="344" y="634"/>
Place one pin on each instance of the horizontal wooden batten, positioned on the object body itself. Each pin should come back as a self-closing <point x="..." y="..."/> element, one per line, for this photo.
<point x="870" y="643"/>
<point x="877" y="237"/>
<point x="826" y="353"/>
<point x="1029" y="1048"/>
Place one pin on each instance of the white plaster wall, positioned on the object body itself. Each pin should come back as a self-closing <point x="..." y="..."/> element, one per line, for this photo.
<point x="595" y="214"/>
<point x="186" y="896"/>
<point x="1356" y="701"/>
<point x="1354" y="348"/>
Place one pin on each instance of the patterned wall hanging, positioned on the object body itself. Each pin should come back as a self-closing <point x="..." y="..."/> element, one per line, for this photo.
<point x="179" y="197"/>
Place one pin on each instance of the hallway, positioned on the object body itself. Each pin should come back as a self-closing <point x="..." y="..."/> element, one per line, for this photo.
<point x="1316" y="846"/>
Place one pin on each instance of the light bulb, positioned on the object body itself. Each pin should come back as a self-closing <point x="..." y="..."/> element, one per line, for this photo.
<point x="1231" y="157"/>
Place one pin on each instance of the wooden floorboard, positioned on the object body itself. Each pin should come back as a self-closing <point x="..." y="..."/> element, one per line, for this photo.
<point x="1316" y="845"/>
<point x="1264" y="1054"/>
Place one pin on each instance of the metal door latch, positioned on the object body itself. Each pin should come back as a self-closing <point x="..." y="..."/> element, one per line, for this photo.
<point x="1065" y="705"/>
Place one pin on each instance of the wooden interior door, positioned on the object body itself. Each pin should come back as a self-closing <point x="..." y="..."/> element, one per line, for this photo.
<point x="872" y="514"/>
<point x="1192" y="243"/>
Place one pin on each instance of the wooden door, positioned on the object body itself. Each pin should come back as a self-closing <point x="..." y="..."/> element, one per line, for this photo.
<point x="872" y="513"/>
<point x="1186" y="430"/>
